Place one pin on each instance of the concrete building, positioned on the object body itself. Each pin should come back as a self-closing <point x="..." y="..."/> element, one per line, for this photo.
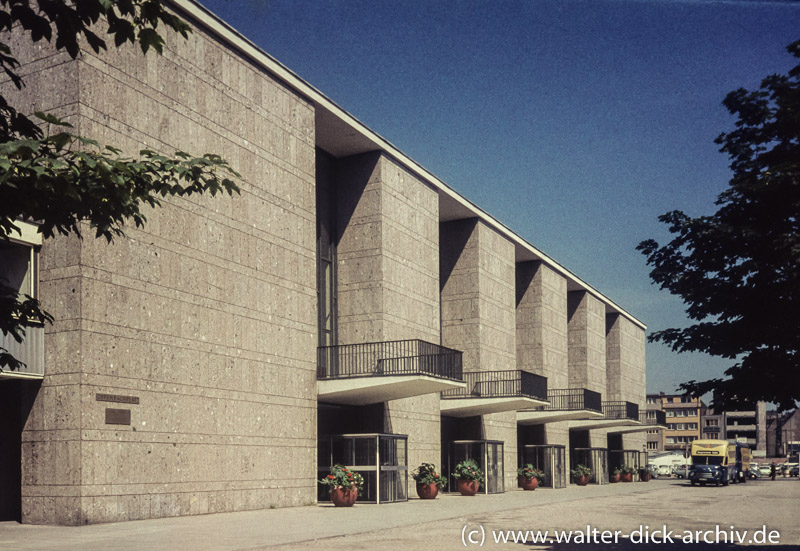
<point x="783" y="433"/>
<point x="347" y="307"/>
<point x="746" y="426"/>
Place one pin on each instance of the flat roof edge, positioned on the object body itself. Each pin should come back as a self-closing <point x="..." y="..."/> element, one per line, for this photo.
<point x="226" y="33"/>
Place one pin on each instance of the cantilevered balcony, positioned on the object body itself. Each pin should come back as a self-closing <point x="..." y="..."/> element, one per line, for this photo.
<point x="649" y="420"/>
<point x="368" y="373"/>
<point x="615" y="415"/>
<point x="565" y="404"/>
<point x="494" y="392"/>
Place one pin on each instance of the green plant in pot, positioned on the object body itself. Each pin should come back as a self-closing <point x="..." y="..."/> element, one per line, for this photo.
<point x="582" y="474"/>
<point x="615" y="474"/>
<point x="627" y="473"/>
<point x="644" y="474"/>
<point x="469" y="477"/>
<point x="343" y="485"/>
<point x="428" y="480"/>
<point x="529" y="477"/>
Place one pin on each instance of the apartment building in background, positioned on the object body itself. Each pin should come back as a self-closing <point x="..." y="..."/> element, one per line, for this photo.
<point x="347" y="307"/>
<point x="683" y="421"/>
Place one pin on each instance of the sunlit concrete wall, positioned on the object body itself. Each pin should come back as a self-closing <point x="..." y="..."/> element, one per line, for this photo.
<point x="388" y="262"/>
<point x="207" y="315"/>
<point x="478" y="314"/>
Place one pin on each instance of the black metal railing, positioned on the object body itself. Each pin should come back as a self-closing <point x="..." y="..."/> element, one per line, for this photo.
<point x="570" y="399"/>
<point x="501" y="384"/>
<point x="621" y="410"/>
<point x="375" y="359"/>
<point x="653" y="417"/>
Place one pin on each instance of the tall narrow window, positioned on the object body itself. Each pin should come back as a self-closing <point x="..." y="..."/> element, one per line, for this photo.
<point x="326" y="249"/>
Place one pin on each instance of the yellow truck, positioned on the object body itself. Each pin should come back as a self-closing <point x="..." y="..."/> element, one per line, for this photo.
<point x="714" y="461"/>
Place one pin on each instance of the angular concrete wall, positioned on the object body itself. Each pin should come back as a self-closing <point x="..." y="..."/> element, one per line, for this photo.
<point x="625" y="361"/>
<point x="542" y="323"/>
<point x="478" y="314"/>
<point x="587" y="342"/>
<point x="542" y="335"/>
<point x="388" y="263"/>
<point x="206" y="315"/>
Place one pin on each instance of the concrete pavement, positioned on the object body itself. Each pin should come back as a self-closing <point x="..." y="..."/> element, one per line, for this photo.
<point x="440" y="523"/>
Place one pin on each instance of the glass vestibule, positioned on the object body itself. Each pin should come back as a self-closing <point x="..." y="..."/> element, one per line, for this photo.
<point x="380" y="458"/>
<point x="626" y="458"/>
<point x="489" y="456"/>
<point x="551" y="459"/>
<point x="594" y="458"/>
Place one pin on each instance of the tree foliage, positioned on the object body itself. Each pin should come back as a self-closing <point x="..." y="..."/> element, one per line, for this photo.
<point x="60" y="179"/>
<point x="738" y="270"/>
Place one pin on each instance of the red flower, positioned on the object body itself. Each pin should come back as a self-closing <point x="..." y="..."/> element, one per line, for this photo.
<point x="331" y="476"/>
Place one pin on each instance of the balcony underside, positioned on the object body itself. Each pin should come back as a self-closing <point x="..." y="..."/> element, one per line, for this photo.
<point x="601" y="423"/>
<point x="638" y="428"/>
<point x="542" y="417"/>
<point x="467" y="407"/>
<point x="359" y="391"/>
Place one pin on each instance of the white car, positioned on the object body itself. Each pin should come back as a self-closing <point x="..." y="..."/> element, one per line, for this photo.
<point x="682" y="471"/>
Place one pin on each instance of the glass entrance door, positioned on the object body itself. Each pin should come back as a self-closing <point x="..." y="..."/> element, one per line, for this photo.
<point x="489" y="456"/>
<point x="549" y="458"/>
<point x="594" y="458"/>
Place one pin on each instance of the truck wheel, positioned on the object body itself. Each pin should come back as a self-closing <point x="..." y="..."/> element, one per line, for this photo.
<point x="692" y="482"/>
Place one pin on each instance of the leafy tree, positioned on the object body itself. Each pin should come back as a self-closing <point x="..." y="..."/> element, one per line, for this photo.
<point x="738" y="270"/>
<point x="62" y="180"/>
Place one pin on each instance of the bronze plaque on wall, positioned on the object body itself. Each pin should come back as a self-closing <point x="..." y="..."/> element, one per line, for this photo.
<point x="118" y="416"/>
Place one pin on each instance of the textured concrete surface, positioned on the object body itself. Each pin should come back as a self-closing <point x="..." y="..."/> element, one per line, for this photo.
<point x="439" y="524"/>
<point x="202" y="315"/>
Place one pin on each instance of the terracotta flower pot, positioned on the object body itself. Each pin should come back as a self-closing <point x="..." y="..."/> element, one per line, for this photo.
<point x="468" y="487"/>
<point x="644" y="477"/>
<point x="626" y="477"/>
<point x="528" y="483"/>
<point x="344" y="497"/>
<point x="427" y="491"/>
<point x="614" y="478"/>
<point x="582" y="480"/>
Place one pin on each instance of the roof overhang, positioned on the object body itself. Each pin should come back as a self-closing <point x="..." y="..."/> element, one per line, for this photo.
<point x="359" y="391"/>
<point x="341" y="134"/>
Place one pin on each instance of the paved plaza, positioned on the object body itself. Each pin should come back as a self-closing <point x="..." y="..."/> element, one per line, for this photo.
<point x="451" y="521"/>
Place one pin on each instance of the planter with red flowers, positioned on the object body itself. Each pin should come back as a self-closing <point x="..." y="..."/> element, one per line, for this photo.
<point x="469" y="477"/>
<point x="343" y="485"/>
<point x="529" y="477"/>
<point x="582" y="474"/>
<point x="428" y="480"/>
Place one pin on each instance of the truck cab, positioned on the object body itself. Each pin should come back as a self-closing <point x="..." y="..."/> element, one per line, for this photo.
<point x="713" y="461"/>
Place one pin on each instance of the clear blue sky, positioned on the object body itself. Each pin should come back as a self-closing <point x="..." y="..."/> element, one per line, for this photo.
<point x="574" y="122"/>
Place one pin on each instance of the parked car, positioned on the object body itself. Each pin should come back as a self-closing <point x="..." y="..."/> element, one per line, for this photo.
<point x="665" y="470"/>
<point x="682" y="471"/>
<point x="794" y="469"/>
<point x="764" y="469"/>
<point x="754" y="472"/>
